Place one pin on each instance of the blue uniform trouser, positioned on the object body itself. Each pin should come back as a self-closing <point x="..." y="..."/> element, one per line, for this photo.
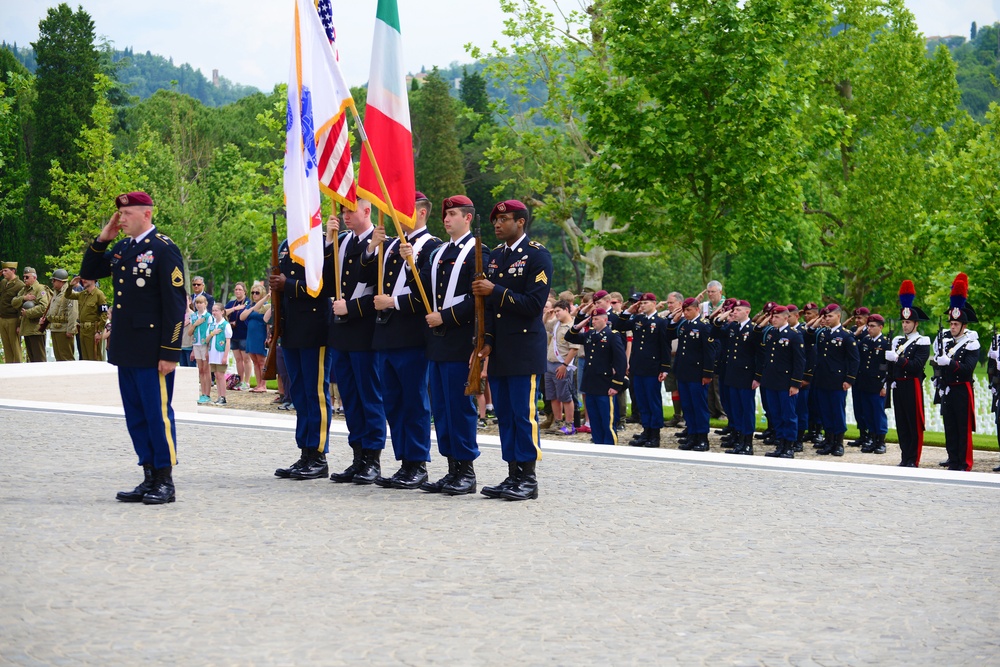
<point x="694" y="402"/>
<point x="783" y="418"/>
<point x="514" y="402"/>
<point x="600" y="411"/>
<point x="726" y="398"/>
<point x="815" y="416"/>
<point x="802" y="401"/>
<point x="403" y="373"/>
<point x="873" y="409"/>
<point x="456" y="415"/>
<point x="146" y="397"/>
<point x="308" y="389"/>
<point x="361" y="392"/>
<point x="741" y="409"/>
<point x="860" y="411"/>
<point x="832" y="410"/>
<point x="650" y="400"/>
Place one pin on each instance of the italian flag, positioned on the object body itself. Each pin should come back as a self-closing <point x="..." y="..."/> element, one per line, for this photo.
<point x="387" y="122"/>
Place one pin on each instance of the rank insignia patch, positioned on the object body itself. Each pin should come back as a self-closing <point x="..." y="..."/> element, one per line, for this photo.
<point x="541" y="278"/>
<point x="177" y="277"/>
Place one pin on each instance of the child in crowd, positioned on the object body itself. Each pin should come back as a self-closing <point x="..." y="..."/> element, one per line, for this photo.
<point x="198" y="322"/>
<point x="220" y="334"/>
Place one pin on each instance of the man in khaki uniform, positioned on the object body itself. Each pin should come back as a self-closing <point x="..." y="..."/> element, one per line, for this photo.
<point x="62" y="317"/>
<point x="32" y="302"/>
<point x="93" y="316"/>
<point x="10" y="317"/>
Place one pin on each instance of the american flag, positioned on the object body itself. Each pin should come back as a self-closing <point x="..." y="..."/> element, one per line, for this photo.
<point x="336" y="170"/>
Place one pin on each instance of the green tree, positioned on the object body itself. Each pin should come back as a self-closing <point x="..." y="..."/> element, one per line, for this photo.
<point x="437" y="160"/>
<point x="16" y="131"/>
<point x="474" y="127"/>
<point x="67" y="65"/>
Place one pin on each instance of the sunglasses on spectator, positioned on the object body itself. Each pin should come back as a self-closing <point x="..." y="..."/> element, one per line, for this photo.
<point x="255" y="291"/>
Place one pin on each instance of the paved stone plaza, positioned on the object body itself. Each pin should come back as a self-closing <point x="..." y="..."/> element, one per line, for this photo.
<point x="623" y="560"/>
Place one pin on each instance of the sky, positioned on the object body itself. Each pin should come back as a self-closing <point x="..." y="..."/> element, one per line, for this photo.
<point x="249" y="41"/>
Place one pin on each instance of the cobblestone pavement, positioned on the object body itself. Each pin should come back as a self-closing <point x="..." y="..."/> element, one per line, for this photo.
<point x="619" y="562"/>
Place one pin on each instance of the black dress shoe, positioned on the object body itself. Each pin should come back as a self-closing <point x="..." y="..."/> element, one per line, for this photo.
<point x="351" y="470"/>
<point x="639" y="439"/>
<point x="653" y="440"/>
<point x="314" y="468"/>
<point x="838" y="445"/>
<point x="285" y="473"/>
<point x="163" y="488"/>
<point x="497" y="491"/>
<point x="463" y="482"/>
<point x="525" y="486"/>
<point x="685" y="444"/>
<point x="946" y="463"/>
<point x="386" y="482"/>
<point x="435" y="487"/>
<point x="700" y="443"/>
<point x="683" y="433"/>
<point x="370" y="467"/>
<point x="136" y="494"/>
<point x="414" y="476"/>
<point x="997" y="469"/>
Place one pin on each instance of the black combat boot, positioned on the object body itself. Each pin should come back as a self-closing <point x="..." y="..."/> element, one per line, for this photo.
<point x="683" y="433"/>
<point x="435" y="487"/>
<point x="829" y="444"/>
<point x="639" y="439"/>
<point x="700" y="443"/>
<point x="413" y="478"/>
<point x="737" y="444"/>
<point x="464" y="480"/>
<point x="747" y="445"/>
<point x="838" y="447"/>
<point x="879" y="446"/>
<point x="163" y="488"/>
<point x="497" y="491"/>
<point x="799" y="445"/>
<point x="370" y="467"/>
<point x="862" y="440"/>
<point x="654" y="439"/>
<point x="386" y="482"/>
<point x="525" y="486"/>
<point x="351" y="470"/>
<point x="314" y="468"/>
<point x="136" y="494"/>
<point x="779" y="449"/>
<point x="285" y="473"/>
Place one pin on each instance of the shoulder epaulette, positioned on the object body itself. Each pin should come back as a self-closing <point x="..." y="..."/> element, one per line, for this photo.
<point x="500" y="246"/>
<point x="536" y="244"/>
<point x="165" y="238"/>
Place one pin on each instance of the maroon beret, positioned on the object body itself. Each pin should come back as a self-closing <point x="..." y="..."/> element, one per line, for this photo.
<point x="688" y="302"/>
<point x="861" y="311"/>
<point x="133" y="199"/>
<point x="875" y="317"/>
<point x="741" y="302"/>
<point x="779" y="310"/>
<point x="829" y="308"/>
<point x="420" y="196"/>
<point x="810" y="306"/>
<point x="769" y="306"/>
<point x="599" y="311"/>
<point x="792" y="308"/>
<point x="730" y="303"/>
<point x="509" y="206"/>
<point x="600" y="294"/>
<point x="648" y="296"/>
<point x="454" y="202"/>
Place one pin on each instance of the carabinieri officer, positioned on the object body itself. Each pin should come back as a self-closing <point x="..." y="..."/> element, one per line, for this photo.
<point x="147" y="275"/>
<point x="516" y="288"/>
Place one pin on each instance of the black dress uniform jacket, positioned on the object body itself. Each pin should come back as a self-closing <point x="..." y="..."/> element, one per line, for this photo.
<point x="305" y="319"/>
<point x="605" y="367"/>
<point x="149" y="297"/>
<point x="650" y="348"/>
<point x="964" y="352"/>
<point x="514" y="328"/>
<point x="912" y="359"/>
<point x="872" y="368"/>
<point x="809" y="344"/>
<point x="836" y="359"/>
<point x="783" y="362"/>
<point x="739" y="345"/>
<point x="355" y="331"/>
<point x="696" y="349"/>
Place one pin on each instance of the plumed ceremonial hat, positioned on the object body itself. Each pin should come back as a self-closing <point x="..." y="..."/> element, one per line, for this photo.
<point x="907" y="293"/>
<point x="133" y="199"/>
<point x="509" y="206"/>
<point x="959" y="309"/>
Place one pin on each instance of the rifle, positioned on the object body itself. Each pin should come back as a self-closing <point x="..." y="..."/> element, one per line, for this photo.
<point x="474" y="386"/>
<point x="271" y="364"/>
<point x="938" y="351"/>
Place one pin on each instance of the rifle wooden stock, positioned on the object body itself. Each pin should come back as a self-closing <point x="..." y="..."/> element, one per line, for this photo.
<point x="271" y="363"/>
<point x="474" y="386"/>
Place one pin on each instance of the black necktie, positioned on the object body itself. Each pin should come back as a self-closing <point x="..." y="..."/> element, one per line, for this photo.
<point x="506" y="254"/>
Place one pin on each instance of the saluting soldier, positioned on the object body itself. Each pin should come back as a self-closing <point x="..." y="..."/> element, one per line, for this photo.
<point x="836" y="371"/>
<point x="93" y="308"/>
<point x="305" y="325"/>
<point x="870" y="388"/>
<point x="694" y="367"/>
<point x="62" y="317"/>
<point x="802" y="398"/>
<point x="399" y="348"/>
<point x="10" y="316"/>
<point x="741" y="346"/>
<point x="450" y="336"/>
<point x="957" y="365"/>
<point x="32" y="302"/>
<point x="516" y="287"/>
<point x="350" y="341"/>
<point x="780" y="370"/>
<point x="907" y="356"/>
<point x="147" y="274"/>
<point x="809" y="316"/>
<point x="648" y="362"/>
<point x="860" y="328"/>
<point x="604" y="376"/>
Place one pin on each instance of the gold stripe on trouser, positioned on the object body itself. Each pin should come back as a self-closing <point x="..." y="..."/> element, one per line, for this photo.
<point x="611" y="419"/>
<point x="324" y="418"/>
<point x="164" y="403"/>
<point x="532" y="414"/>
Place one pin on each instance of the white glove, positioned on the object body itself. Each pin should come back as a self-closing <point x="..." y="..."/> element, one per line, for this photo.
<point x="994" y="354"/>
<point x="891" y="356"/>
<point x="943" y="360"/>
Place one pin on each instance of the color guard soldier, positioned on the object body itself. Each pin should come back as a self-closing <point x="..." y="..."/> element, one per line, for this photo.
<point x="62" y="317"/>
<point x="836" y="370"/>
<point x="694" y="367"/>
<point x="907" y="356"/>
<point x="516" y="288"/>
<point x="399" y="348"/>
<point x="957" y="364"/>
<point x="305" y="325"/>
<point x="648" y="362"/>
<point x="870" y="388"/>
<point x="780" y="370"/>
<point x="604" y="376"/>
<point x="350" y="342"/>
<point x="10" y="316"/>
<point x="93" y="307"/>
<point x="450" y="337"/>
<point x="741" y="352"/>
<point x="147" y="273"/>
<point x="32" y="302"/>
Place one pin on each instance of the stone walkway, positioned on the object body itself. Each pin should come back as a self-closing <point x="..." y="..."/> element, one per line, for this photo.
<point x="645" y="558"/>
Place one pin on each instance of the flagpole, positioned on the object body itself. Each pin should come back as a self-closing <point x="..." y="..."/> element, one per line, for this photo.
<point x="388" y="202"/>
<point x="380" y="259"/>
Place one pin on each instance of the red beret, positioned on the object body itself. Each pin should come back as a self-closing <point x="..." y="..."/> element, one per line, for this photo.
<point x="810" y="306"/>
<point x="648" y="296"/>
<point x="829" y="308"/>
<point x="730" y="303"/>
<point x="420" y="196"/>
<point x="792" y="308"/>
<point x="769" y="306"/>
<point x="600" y="294"/>
<point x="742" y="302"/>
<point x="454" y="202"/>
<point x="509" y="206"/>
<point x="133" y="199"/>
<point x="875" y="317"/>
<point x="779" y="310"/>
<point x="599" y="311"/>
<point x="861" y="311"/>
<point x="688" y="302"/>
